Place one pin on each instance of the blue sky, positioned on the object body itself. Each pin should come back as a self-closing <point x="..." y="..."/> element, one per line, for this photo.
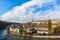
<point x="6" y="5"/>
<point x="26" y="10"/>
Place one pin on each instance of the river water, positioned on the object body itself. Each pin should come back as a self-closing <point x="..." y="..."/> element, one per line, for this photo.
<point x="5" y="36"/>
<point x="3" y="33"/>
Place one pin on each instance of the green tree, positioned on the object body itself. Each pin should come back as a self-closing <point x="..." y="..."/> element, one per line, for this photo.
<point x="56" y="30"/>
<point x="50" y="26"/>
<point x="8" y="29"/>
<point x="29" y="23"/>
<point x="24" y="30"/>
<point x="21" y="30"/>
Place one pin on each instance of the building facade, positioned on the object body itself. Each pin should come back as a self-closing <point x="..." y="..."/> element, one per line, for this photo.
<point x="42" y="26"/>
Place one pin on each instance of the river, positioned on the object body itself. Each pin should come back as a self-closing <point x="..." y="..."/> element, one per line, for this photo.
<point x="5" y="36"/>
<point x="3" y="33"/>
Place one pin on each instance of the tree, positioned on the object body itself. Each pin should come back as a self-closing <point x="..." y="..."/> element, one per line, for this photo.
<point x="24" y="30"/>
<point x="8" y="29"/>
<point x="50" y="26"/>
<point x="21" y="29"/>
<point x="29" y="23"/>
<point x="56" y="30"/>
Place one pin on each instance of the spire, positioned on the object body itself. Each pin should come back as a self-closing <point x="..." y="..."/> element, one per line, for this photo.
<point x="32" y="20"/>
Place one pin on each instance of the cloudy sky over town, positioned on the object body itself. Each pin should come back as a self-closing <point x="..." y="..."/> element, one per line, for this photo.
<point x="26" y="10"/>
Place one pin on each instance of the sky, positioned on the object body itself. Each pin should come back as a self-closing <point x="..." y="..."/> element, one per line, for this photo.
<point x="22" y="11"/>
<point x="7" y="5"/>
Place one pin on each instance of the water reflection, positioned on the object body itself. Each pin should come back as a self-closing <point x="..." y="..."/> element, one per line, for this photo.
<point x="2" y="34"/>
<point x="15" y="37"/>
<point x="5" y="36"/>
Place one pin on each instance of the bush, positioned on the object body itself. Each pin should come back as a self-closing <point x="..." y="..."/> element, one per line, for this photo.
<point x="56" y="30"/>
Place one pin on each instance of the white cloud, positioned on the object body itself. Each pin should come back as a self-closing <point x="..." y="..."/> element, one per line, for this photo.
<point x="25" y="12"/>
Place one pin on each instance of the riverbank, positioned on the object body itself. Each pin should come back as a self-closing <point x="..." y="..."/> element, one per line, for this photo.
<point x="36" y="36"/>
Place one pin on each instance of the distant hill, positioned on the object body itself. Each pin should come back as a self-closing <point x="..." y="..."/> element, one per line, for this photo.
<point x="4" y="24"/>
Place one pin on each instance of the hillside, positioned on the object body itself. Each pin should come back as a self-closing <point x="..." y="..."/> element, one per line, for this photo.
<point x="4" y="24"/>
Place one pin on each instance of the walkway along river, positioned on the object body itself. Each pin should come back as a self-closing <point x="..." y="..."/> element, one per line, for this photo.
<point x="5" y="36"/>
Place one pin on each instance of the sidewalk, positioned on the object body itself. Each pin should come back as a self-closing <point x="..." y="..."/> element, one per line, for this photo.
<point x="36" y="36"/>
<point x="46" y="36"/>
